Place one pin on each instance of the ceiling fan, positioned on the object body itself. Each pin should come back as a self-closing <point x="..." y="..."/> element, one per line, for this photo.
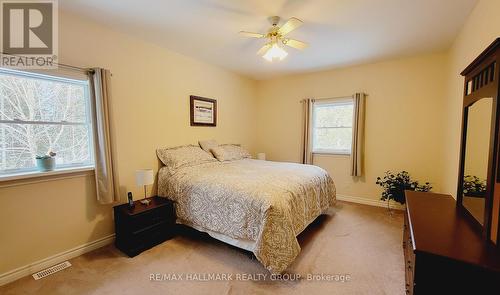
<point x="273" y="49"/>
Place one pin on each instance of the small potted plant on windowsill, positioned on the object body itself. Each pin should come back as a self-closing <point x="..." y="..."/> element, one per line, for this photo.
<point x="46" y="162"/>
<point x="394" y="186"/>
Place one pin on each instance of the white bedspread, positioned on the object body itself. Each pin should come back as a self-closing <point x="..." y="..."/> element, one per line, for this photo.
<point x="267" y="202"/>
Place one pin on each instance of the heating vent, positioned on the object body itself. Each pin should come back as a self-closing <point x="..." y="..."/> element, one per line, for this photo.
<point x="51" y="270"/>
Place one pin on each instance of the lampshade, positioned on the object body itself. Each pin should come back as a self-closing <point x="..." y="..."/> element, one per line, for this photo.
<point x="144" y="177"/>
<point x="275" y="52"/>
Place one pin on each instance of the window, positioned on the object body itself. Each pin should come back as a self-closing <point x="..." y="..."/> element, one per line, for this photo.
<point x="332" y="126"/>
<point x="41" y="113"/>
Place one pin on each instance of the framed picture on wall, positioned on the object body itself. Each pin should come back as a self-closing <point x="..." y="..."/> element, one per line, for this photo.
<point x="203" y="111"/>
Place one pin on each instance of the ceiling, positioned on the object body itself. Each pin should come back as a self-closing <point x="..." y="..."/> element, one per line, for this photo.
<point x="340" y="32"/>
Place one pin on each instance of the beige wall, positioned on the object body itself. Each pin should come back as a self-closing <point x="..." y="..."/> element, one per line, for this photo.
<point x="412" y="122"/>
<point x="482" y="28"/>
<point x="151" y="88"/>
<point x="403" y="119"/>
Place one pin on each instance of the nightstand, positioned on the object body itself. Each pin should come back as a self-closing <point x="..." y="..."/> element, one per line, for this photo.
<point x="144" y="226"/>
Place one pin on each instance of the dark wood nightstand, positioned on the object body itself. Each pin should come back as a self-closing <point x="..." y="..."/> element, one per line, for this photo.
<point x="144" y="226"/>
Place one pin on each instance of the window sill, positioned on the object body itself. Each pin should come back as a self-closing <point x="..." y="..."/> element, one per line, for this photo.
<point x="36" y="176"/>
<point x="331" y="154"/>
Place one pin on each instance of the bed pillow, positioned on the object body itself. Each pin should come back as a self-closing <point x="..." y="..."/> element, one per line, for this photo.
<point x="183" y="156"/>
<point x="230" y="152"/>
<point x="207" y="145"/>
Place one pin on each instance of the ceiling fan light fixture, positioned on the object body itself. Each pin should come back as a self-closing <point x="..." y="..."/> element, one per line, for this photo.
<point x="273" y="50"/>
<point x="275" y="53"/>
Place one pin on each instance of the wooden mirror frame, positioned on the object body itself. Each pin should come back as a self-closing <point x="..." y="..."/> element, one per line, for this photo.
<point x="482" y="81"/>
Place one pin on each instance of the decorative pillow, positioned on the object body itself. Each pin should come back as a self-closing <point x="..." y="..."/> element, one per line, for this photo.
<point x="230" y="152"/>
<point x="207" y="145"/>
<point x="183" y="156"/>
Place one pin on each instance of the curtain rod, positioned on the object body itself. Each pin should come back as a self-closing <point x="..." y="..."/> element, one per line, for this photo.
<point x="64" y="66"/>
<point x="74" y="68"/>
<point x="327" y="98"/>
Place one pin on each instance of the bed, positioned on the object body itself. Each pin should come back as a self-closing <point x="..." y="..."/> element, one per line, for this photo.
<point x="260" y="206"/>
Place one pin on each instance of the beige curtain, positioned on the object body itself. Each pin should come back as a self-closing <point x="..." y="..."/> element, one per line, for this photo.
<point x="107" y="188"/>
<point x="307" y="156"/>
<point x="358" y="130"/>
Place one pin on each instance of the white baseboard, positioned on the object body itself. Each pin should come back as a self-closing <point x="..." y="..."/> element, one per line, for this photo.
<point x="371" y="202"/>
<point x="54" y="259"/>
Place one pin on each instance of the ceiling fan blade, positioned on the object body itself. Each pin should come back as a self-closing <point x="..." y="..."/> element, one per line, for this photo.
<point x="263" y="49"/>
<point x="251" y="34"/>
<point x="290" y="25"/>
<point x="295" y="43"/>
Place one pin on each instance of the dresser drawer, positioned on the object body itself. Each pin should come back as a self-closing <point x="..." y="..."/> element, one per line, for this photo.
<point x="409" y="258"/>
<point x="150" y="218"/>
<point x="147" y="238"/>
<point x="409" y="285"/>
<point x="409" y="254"/>
<point x="406" y="234"/>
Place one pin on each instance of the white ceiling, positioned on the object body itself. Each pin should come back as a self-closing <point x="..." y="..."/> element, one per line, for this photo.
<point x="340" y="32"/>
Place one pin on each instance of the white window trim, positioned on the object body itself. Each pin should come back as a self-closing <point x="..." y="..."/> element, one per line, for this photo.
<point x="20" y="174"/>
<point x="332" y="152"/>
<point x="37" y="174"/>
<point x="337" y="101"/>
<point x="346" y="100"/>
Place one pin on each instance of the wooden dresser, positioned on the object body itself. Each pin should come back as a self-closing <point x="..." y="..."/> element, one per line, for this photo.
<point x="443" y="253"/>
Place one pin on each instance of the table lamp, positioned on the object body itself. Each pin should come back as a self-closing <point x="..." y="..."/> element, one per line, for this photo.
<point x="144" y="177"/>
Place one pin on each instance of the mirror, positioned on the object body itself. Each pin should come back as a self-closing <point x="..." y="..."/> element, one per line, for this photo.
<point x="477" y="147"/>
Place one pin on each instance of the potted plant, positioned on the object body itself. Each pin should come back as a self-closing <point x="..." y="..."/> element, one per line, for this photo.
<point x="46" y="162"/>
<point x="394" y="186"/>
<point x="474" y="186"/>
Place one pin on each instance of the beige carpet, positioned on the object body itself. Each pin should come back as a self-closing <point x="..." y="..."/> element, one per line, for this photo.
<point x="360" y="241"/>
